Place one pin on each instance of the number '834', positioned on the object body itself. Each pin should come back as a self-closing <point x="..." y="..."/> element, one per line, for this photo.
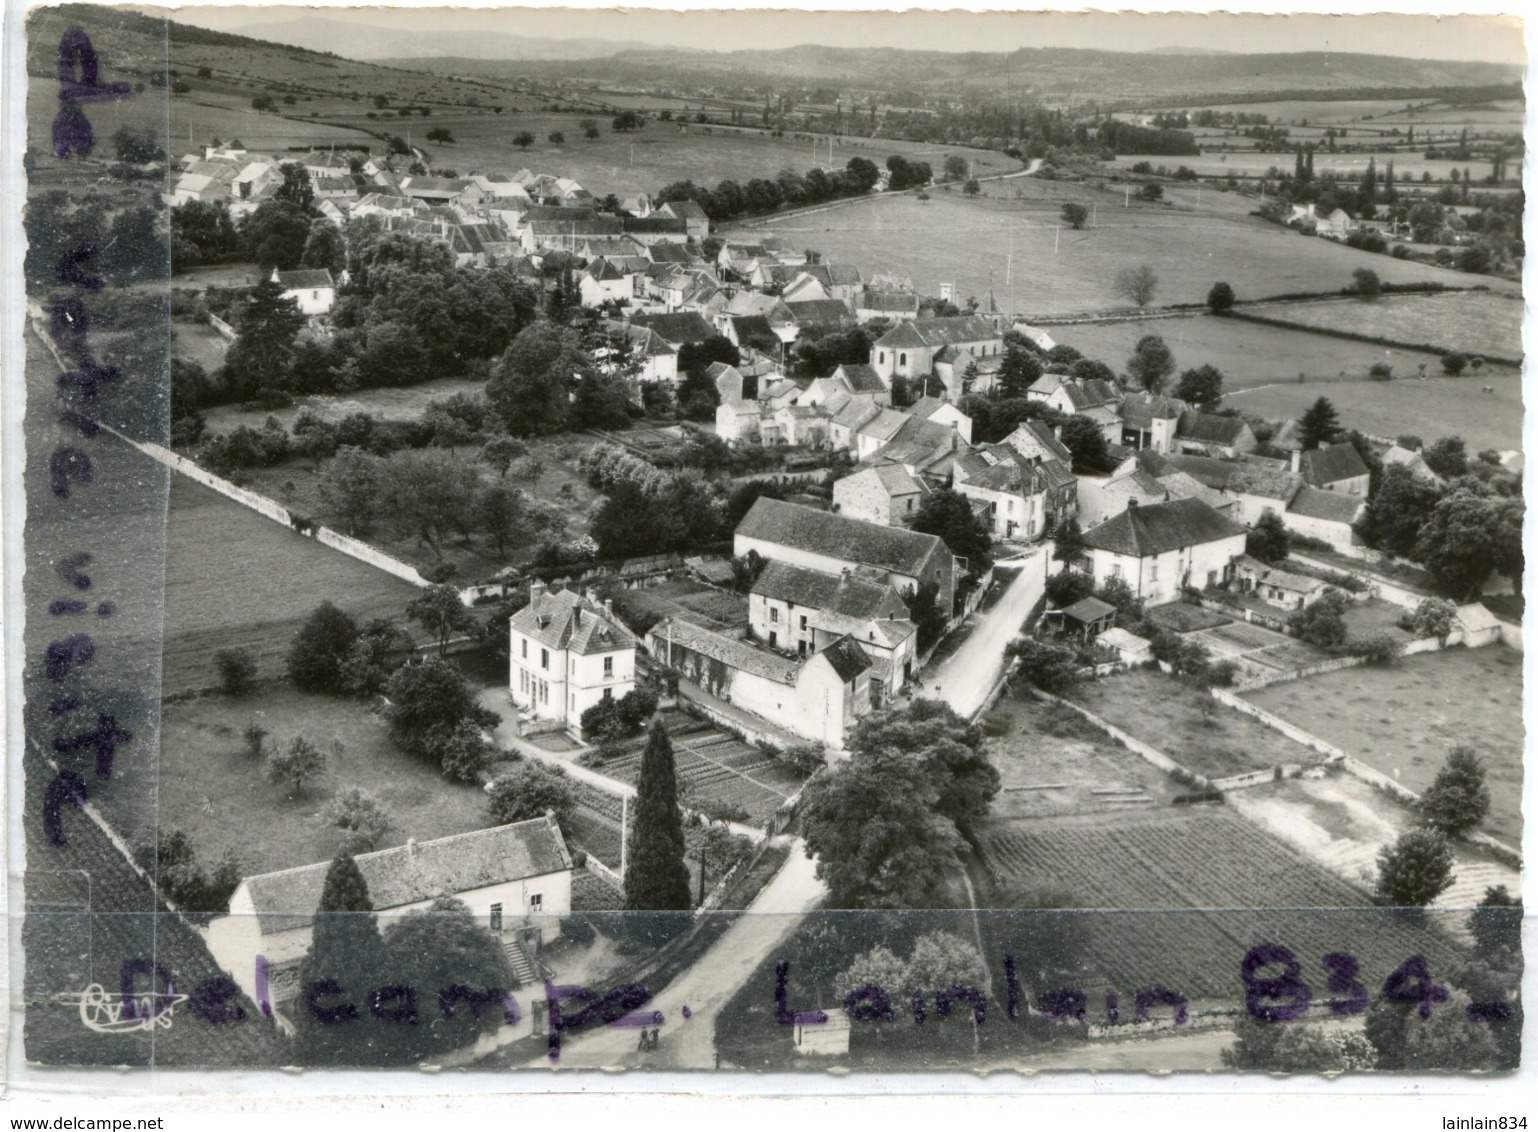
<point x="1271" y="997"/>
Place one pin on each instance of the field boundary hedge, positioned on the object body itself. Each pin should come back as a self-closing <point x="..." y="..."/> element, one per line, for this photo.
<point x="1371" y="339"/>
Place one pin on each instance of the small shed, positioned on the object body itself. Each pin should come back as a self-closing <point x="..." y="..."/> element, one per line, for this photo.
<point x="1480" y="627"/>
<point x="1130" y="649"/>
<point x="1089" y="617"/>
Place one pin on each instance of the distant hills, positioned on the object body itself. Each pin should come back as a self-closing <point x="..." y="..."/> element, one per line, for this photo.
<point x="421" y="49"/>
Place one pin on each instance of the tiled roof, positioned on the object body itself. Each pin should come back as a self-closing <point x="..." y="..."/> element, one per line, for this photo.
<point x="678" y="328"/>
<point x="685" y="209"/>
<point x="305" y="280"/>
<point x="654" y="224"/>
<point x="835" y="536"/>
<point x="1140" y="410"/>
<point x="887" y="301"/>
<point x="1335" y="506"/>
<point x="844" y="275"/>
<point x="847" y="658"/>
<point x="412" y="873"/>
<point x="1032" y="437"/>
<point x="565" y="620"/>
<point x="1089" y="609"/>
<point x="896" y="480"/>
<point x="936" y="332"/>
<point x="672" y="253"/>
<point x="850" y="596"/>
<point x="862" y="378"/>
<point x="1161" y="527"/>
<point x="730" y="651"/>
<point x="820" y="312"/>
<point x="926" y="407"/>
<point x="1331" y="464"/>
<point x="1238" y="477"/>
<point x="856" y="412"/>
<point x="884" y="425"/>
<point x="1209" y="428"/>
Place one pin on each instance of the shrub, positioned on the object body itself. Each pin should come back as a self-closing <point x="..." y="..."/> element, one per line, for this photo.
<point x="255" y="737"/>
<point x="636" y="708"/>
<point x="1380" y="371"/>
<point x="1052" y="668"/>
<point x="301" y="763"/>
<point x="1381" y="647"/>
<point x="531" y="790"/>
<point x="361" y="818"/>
<point x="1323" y="624"/>
<point x="579" y="931"/>
<point x="1415" y="870"/>
<point x="1067" y="587"/>
<point x="722" y="811"/>
<point x="805" y="758"/>
<point x="237" y="670"/>
<point x="602" y="721"/>
<point x="1457" y="799"/>
<point x="459" y="749"/>
<point x="1453" y="364"/>
<point x="1434" y="617"/>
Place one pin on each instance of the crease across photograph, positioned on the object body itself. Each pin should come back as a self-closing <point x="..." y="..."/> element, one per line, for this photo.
<point x="706" y="541"/>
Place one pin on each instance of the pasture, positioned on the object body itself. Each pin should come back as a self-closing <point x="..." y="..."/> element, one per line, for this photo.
<point x="211" y="788"/>
<point x="1473" y="322"/>
<point x="1247" y="353"/>
<point x="1402" y="720"/>
<point x="1187" y="725"/>
<point x="1158" y="911"/>
<point x="1254" y="163"/>
<point x="1389" y="112"/>
<point x="1010" y="239"/>
<point x="236" y="578"/>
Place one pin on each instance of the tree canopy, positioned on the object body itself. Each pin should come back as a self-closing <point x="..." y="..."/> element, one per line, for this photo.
<point x="656" y="878"/>
<point x="948" y="515"/>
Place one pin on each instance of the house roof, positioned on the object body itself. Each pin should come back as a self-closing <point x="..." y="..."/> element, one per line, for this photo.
<point x="820" y="311"/>
<point x="1161" y="527"/>
<point x="678" y="328"/>
<point x="1316" y="503"/>
<point x="893" y="477"/>
<point x="937" y="332"/>
<point x="1118" y="638"/>
<point x="884" y="425"/>
<point x="844" y="275"/>
<point x="730" y="651"/>
<point x="848" y="595"/>
<point x="655" y="224"/>
<point x="856" y="411"/>
<point x="1410" y="459"/>
<point x="847" y="658"/>
<point x="604" y="270"/>
<point x="685" y="210"/>
<point x="1140" y="410"/>
<point x="565" y="620"/>
<point x="415" y="872"/>
<point x="836" y="536"/>
<point x="1034" y="435"/>
<point x="305" y="280"/>
<point x="862" y="378"/>
<point x="672" y="253"/>
<point x="1476" y="617"/>
<point x="1089" y="609"/>
<point x="1331" y="463"/>
<point x="1239" y="477"/>
<point x="926" y="407"/>
<point x="1209" y="428"/>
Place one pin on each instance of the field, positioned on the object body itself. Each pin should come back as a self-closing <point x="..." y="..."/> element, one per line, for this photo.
<point x="692" y="601"/>
<point x="1403" y="720"/>
<point x="595" y="824"/>
<point x="201" y="344"/>
<point x="215" y="792"/>
<point x="1009" y="239"/>
<point x="1053" y="761"/>
<point x="1248" y="354"/>
<point x="233" y="577"/>
<point x="391" y="404"/>
<point x="1385" y="112"/>
<point x="1168" y="916"/>
<point x="1438" y="406"/>
<point x="1168" y="715"/>
<point x="1471" y="322"/>
<point x="1252" y="163"/>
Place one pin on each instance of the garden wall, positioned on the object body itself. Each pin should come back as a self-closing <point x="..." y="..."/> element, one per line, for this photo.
<point x="225" y="329"/>
<point x="1249" y="684"/>
<point x="1389" y="785"/>
<point x="1277" y="723"/>
<point x="1150" y="754"/>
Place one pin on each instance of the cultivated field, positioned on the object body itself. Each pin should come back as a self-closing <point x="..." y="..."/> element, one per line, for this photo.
<point x="1247" y="353"/>
<point x="595" y="823"/>
<point x="1170" y="916"/>
<point x="1009" y="239"/>
<point x="236" y="578"/>
<point x="1252" y="163"/>
<point x="214" y="791"/>
<point x="1187" y="725"/>
<point x="1403" y="720"/>
<point x="1385" y="111"/>
<point x="1472" y="322"/>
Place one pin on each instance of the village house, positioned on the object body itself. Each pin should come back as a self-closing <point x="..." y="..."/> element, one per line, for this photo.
<point x="1095" y="399"/>
<point x="1104" y="497"/>
<point x="678" y="329"/>
<point x="1208" y="434"/>
<point x="312" y="288"/>
<point x="846" y="380"/>
<point x="820" y="540"/>
<point x="818" y="697"/>
<point x="1021" y="498"/>
<point x="881" y="492"/>
<point x="696" y="223"/>
<point x="738" y="421"/>
<point x="1333" y="467"/>
<point x="1253" y="488"/>
<point x="791" y="607"/>
<point x="908" y="349"/>
<point x="870" y="305"/>
<point x="1327" y="515"/>
<point x="1150" y="420"/>
<point x="602" y="281"/>
<point x="656" y="229"/>
<point x="848" y="415"/>
<point x="567" y="654"/>
<point x="1275" y="586"/>
<point x="942" y="413"/>
<point x="817" y="317"/>
<point x="515" y="879"/>
<point x="659" y="360"/>
<point x="1411" y="459"/>
<point x="1159" y="549"/>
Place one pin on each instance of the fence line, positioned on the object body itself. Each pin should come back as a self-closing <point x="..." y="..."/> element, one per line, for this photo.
<point x="1277" y="723"/>
<point x="225" y="330"/>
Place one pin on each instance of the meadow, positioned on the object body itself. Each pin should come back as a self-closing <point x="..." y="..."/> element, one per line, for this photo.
<point x="1403" y="720"/>
<point x="1253" y="163"/>
<point x="1012" y="239"/>
<point x="1471" y="322"/>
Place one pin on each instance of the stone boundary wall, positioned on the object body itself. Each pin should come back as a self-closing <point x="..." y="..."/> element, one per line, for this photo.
<point x="1277" y="723"/>
<point x="1149" y="753"/>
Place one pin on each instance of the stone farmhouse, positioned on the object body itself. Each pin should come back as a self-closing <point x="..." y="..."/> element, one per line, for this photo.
<point x="312" y="289"/>
<point x="1159" y="549"/>
<point x="566" y="655"/>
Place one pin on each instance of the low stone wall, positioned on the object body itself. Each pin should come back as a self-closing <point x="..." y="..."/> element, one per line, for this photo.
<point x="1250" y="683"/>
<point x="225" y="330"/>
<point x="1392" y="786"/>
<point x="1150" y="754"/>
<point x="603" y="872"/>
<point x="1256" y="777"/>
<point x="1277" y="723"/>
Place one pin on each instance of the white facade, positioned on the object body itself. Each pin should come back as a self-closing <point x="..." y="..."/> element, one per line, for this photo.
<point x="1158" y="578"/>
<point x="550" y="682"/>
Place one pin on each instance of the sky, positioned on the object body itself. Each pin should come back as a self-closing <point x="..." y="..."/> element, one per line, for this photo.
<point x="1488" y="37"/>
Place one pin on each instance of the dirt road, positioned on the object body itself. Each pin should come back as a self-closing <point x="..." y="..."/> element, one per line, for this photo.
<point x="965" y="678"/>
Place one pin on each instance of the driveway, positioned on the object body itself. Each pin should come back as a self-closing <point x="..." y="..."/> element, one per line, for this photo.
<point x="965" y="678"/>
<point x="689" y="1043"/>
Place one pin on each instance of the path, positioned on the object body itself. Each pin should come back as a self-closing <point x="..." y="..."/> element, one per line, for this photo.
<point x="966" y="677"/>
<point x="707" y="986"/>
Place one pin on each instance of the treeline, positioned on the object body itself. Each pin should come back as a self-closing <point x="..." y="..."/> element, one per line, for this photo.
<point x="730" y="200"/>
<point x="1124" y="137"/>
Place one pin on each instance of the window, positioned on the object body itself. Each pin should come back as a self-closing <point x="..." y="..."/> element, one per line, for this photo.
<point x="525" y="645"/>
<point x="496" y="917"/>
<point x="1153" y="571"/>
<point x="774" y="615"/>
<point x="803" y="622"/>
<point x="536" y="901"/>
<point x="314" y="294"/>
<point x="608" y="694"/>
<point x="608" y="666"/>
<point x="774" y="639"/>
<point x="544" y="659"/>
<point x="902" y="359"/>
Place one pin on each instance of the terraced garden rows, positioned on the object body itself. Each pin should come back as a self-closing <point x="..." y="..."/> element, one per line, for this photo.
<point x="1163" y="914"/>
<point x="719" y="770"/>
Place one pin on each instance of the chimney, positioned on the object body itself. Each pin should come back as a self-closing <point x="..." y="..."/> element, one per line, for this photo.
<point x="576" y="616"/>
<point x="1297" y="461"/>
<point x="1057" y="432"/>
<point x="536" y="590"/>
<point x="1132" y="505"/>
<point x="608" y="608"/>
<point x="411" y="848"/>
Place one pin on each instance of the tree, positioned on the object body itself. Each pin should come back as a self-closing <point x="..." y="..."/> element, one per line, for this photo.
<point x="259" y="359"/>
<point x="1457" y="543"/>
<point x="428" y="701"/>
<point x="1323" y="624"/>
<point x="1137" y="284"/>
<point x="1447" y="457"/>
<point x="345" y="961"/>
<point x="1415" y="870"/>
<point x="1068" y="542"/>
<point x="1268" y="540"/>
<point x="656" y="878"/>
<point x="1017" y="371"/>
<point x="321" y="645"/>
<point x="1454" y="363"/>
<point x="1052" y="668"/>
<point x="531" y="790"/>
<point x="1075" y="215"/>
<point x="955" y="167"/>
<point x="1201" y="387"/>
<point x="557" y="138"/>
<point x="1445" y="1041"/>
<point x="948" y="515"/>
<point x="523" y="139"/>
<point x="946" y="746"/>
<point x="601" y="402"/>
<point x="1319" y="424"/>
<point x="923" y="602"/>
<point x="1434" y="617"/>
<point x="295" y="187"/>
<point x="531" y="382"/>
<point x="302" y="762"/>
<point x="349" y="488"/>
<point x="1496" y="925"/>
<point x="360" y="817"/>
<point x="237" y="670"/>
<point x="1220" y="300"/>
<point x="1365" y="283"/>
<point x="971" y="188"/>
<point x="591" y="132"/>
<point x="324" y="246"/>
<point x="500" y="451"/>
<point x="1088" y="369"/>
<point x="1151" y="363"/>
<point x="135" y="146"/>
<point x="182" y="879"/>
<point x="374" y="657"/>
<point x="1151" y="192"/>
<point x="440" y="612"/>
<point x="274" y="236"/>
<point x="1291" y="1047"/>
<point x="436" y="950"/>
<point x="1398" y="510"/>
<point x="1457" y="799"/>
<point x="1085" y="440"/>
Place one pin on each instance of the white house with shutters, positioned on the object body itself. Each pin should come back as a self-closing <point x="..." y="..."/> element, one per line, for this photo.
<point x="566" y="655"/>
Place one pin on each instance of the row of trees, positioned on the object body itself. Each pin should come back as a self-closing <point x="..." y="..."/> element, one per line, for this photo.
<point x="729" y="199"/>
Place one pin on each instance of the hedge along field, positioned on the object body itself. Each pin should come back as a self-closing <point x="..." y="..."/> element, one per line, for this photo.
<point x="237" y="579"/>
<point x="954" y="239"/>
<point x="1473" y="322"/>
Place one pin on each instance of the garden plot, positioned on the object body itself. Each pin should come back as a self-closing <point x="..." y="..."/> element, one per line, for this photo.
<point x="1162" y="913"/>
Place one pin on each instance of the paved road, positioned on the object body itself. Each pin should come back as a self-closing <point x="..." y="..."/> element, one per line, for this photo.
<point x="708" y="985"/>
<point x="965" y="678"/>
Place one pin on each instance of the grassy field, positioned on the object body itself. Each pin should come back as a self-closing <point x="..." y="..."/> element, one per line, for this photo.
<point x="1009" y="239"/>
<point x="212" y="789"/>
<point x="1168" y="715"/>
<point x="201" y="344"/>
<point x="1403" y="720"/>
<point x="233" y="577"/>
<point x="1190" y="924"/>
<point x="1438" y="406"/>
<point x="391" y="404"/>
<point x="1472" y="322"/>
<point x="1048" y="745"/>
<point x="1388" y="111"/>
<point x="1247" y="353"/>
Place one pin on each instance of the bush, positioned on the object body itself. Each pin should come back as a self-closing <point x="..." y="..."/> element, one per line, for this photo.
<point x="1457" y="799"/>
<point x="1453" y="364"/>
<point x="579" y="931"/>
<point x="531" y="790"/>
<point x="1068" y="587"/>
<point x="255" y="737"/>
<point x="1434" y="617"/>
<point x="1323" y="624"/>
<point x="805" y="758"/>
<point x="237" y="670"/>
<point x="1415" y="870"/>
<point x="636" y="708"/>
<point x="1381" y="647"/>
<point x="1052" y="668"/>
<point x="360" y="817"/>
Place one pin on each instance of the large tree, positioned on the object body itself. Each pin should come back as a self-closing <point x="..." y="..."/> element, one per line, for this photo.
<point x="531" y="383"/>
<point x="1201" y="387"/>
<point x="441" y="613"/>
<point x="260" y="358"/>
<point x="1457" y="543"/>
<point x="948" y="515"/>
<point x="459" y="973"/>
<point x="531" y="790"/>
<point x="1137" y="284"/>
<point x="1319" y="424"/>
<point x="1017" y="371"/>
<point x="1151" y="363"/>
<point x="1268" y="539"/>
<point x="1415" y="870"/>
<point x="1291" y="1047"/>
<point x="1398" y="510"/>
<point x="275" y="235"/>
<point x="344" y="964"/>
<point x="1084" y="438"/>
<point x="656" y="877"/>
<point x="1457" y="799"/>
<point x="321" y="645"/>
<point x="428" y="701"/>
<point x="349" y="487"/>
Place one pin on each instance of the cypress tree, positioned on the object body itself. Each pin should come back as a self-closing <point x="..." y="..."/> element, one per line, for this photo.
<point x="656" y="878"/>
<point x="340" y="971"/>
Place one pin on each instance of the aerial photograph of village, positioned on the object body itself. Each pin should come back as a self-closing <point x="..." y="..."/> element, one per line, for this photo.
<point x="671" y="547"/>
